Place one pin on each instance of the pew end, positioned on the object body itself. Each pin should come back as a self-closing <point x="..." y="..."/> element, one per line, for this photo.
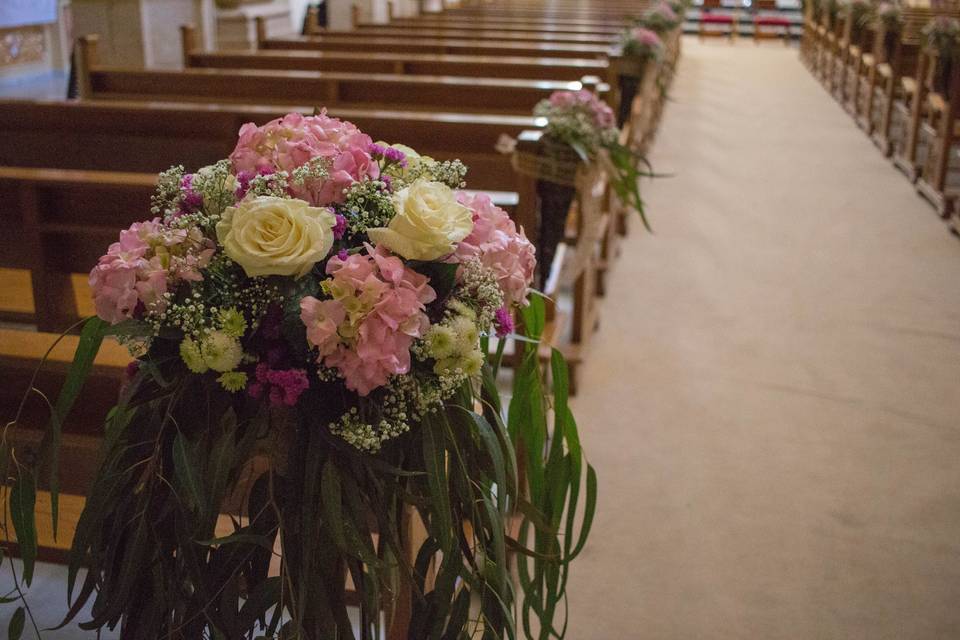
<point x="188" y="43"/>
<point x="87" y="56"/>
<point x="261" y="30"/>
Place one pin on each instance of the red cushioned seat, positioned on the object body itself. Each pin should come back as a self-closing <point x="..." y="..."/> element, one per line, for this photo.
<point x="772" y="21"/>
<point x="711" y="18"/>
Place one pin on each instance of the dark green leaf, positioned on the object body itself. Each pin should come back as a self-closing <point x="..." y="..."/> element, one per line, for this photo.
<point x="15" y="628"/>
<point x="91" y="337"/>
<point x="23" y="500"/>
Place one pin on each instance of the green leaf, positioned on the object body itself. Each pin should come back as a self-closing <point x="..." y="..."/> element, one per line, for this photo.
<point x="185" y="468"/>
<point x="239" y="538"/>
<point x="91" y="337"/>
<point x="23" y="500"/>
<point x="435" y="463"/>
<point x="443" y="276"/>
<point x="15" y="628"/>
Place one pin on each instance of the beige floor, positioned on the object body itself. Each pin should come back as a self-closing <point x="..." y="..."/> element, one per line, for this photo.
<point x="773" y="401"/>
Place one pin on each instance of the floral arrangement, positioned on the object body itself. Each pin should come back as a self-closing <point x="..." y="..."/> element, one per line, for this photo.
<point x="642" y="44"/>
<point x="890" y="15"/>
<point x="324" y="307"/>
<point x="586" y="124"/>
<point x="661" y="18"/>
<point x="942" y="34"/>
<point x="886" y="13"/>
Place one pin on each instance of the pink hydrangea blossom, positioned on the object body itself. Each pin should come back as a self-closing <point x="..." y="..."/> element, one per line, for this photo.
<point x="376" y="313"/>
<point x="584" y="100"/>
<point x="294" y="140"/>
<point x="646" y="37"/>
<point x="142" y="266"/>
<point x="497" y="243"/>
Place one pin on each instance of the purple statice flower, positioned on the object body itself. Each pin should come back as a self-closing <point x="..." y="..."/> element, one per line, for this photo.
<point x="340" y="227"/>
<point x="244" y="178"/>
<point x="388" y="181"/>
<point x="342" y="254"/>
<point x="391" y="155"/>
<point x="504" y="322"/>
<point x="191" y="201"/>
<point x="282" y="387"/>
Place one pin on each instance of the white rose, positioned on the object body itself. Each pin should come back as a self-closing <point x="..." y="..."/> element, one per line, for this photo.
<point x="270" y="236"/>
<point x="428" y="225"/>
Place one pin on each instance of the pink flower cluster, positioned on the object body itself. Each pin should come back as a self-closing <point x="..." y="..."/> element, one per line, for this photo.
<point x="294" y="140"/>
<point x="377" y="311"/>
<point x="646" y="37"/>
<point x="498" y="245"/>
<point x="664" y="10"/>
<point x="281" y="386"/>
<point x="139" y="269"/>
<point x="600" y="111"/>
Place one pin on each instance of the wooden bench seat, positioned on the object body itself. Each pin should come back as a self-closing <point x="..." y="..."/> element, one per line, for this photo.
<point x="498" y="24"/>
<point x="405" y="64"/>
<point x="151" y="137"/>
<point x="439" y="46"/>
<point x="418" y="32"/>
<point x="331" y="89"/>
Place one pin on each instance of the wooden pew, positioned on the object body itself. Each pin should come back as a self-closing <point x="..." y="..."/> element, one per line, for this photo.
<point x="909" y="111"/>
<point x="437" y="46"/>
<point x="150" y="137"/>
<point x="501" y="25"/>
<point x="334" y="89"/>
<point x="939" y="133"/>
<point x="896" y="83"/>
<point x="573" y="272"/>
<point x="568" y="69"/>
<point x="433" y="33"/>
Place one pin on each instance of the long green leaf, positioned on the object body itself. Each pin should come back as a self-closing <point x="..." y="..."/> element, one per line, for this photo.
<point x="23" y="501"/>
<point x="91" y="337"/>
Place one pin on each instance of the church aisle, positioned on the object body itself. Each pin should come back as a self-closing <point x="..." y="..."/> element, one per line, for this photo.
<point x="772" y="401"/>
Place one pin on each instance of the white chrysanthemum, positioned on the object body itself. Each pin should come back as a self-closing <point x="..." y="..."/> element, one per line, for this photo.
<point x="221" y="352"/>
<point x="191" y="356"/>
<point x="441" y="342"/>
<point x="466" y="334"/>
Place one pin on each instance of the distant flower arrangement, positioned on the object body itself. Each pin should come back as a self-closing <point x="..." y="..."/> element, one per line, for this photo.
<point x="661" y="18"/>
<point x="586" y="124"/>
<point x="642" y="44"/>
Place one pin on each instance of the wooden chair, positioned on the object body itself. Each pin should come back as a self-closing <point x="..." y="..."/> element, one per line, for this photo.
<point x="713" y="24"/>
<point x="765" y="15"/>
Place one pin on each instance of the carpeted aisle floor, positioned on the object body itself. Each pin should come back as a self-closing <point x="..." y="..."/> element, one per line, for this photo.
<point x="773" y="399"/>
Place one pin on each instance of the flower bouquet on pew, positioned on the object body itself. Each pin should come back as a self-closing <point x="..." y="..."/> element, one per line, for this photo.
<point x="661" y="18"/>
<point x="942" y="36"/>
<point x="315" y="381"/>
<point x="582" y="122"/>
<point x="641" y="49"/>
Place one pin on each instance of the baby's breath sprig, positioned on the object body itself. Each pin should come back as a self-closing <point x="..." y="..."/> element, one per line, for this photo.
<point x="165" y="202"/>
